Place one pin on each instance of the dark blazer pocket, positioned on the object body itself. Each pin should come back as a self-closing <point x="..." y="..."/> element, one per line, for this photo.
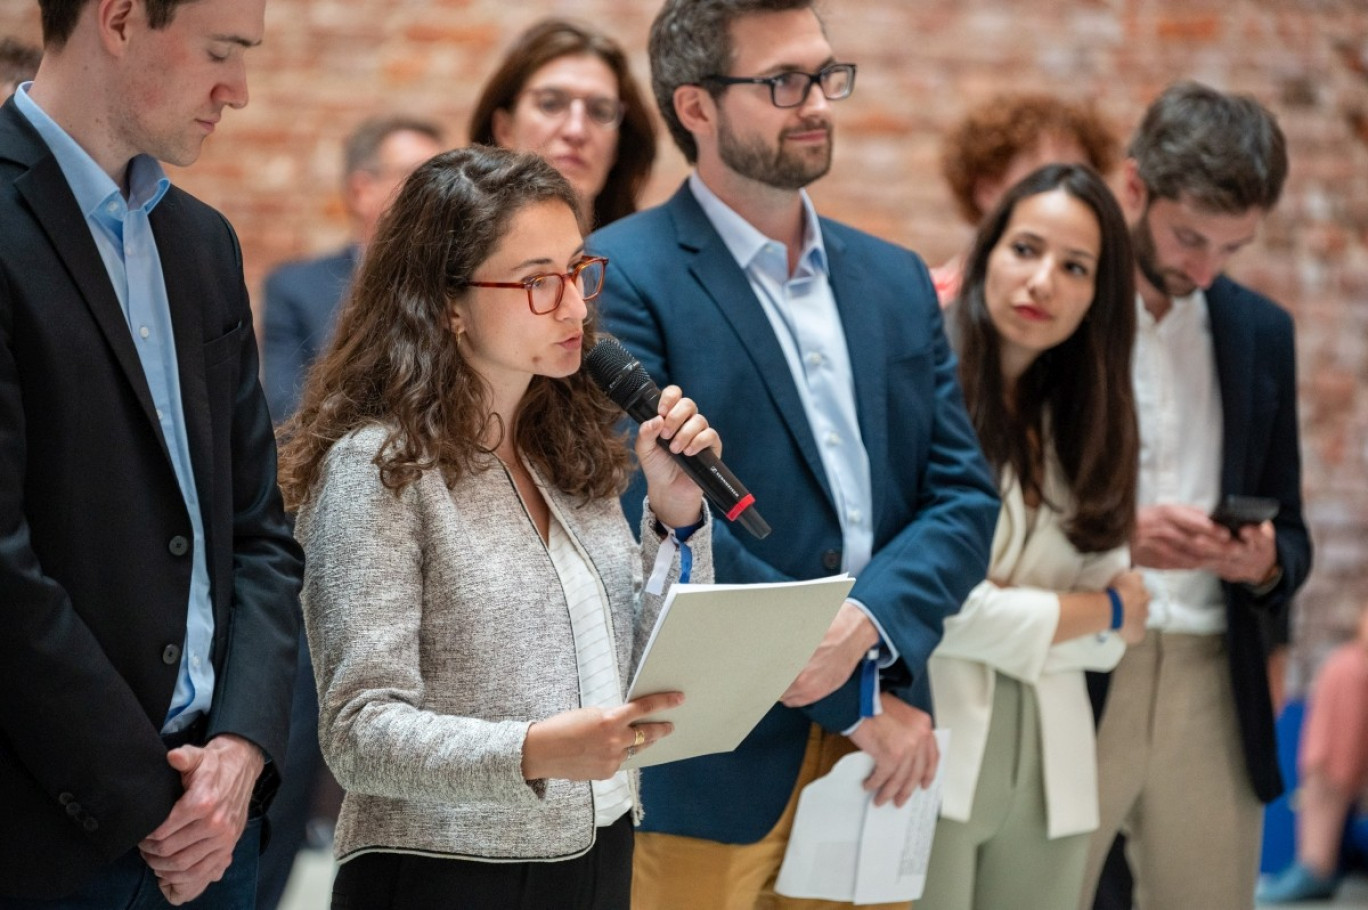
<point x="226" y="346"/>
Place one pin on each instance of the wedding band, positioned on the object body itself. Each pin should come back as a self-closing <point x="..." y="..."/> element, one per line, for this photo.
<point x="640" y="738"/>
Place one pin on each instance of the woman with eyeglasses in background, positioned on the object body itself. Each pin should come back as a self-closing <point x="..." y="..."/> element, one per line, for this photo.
<point x="473" y="594"/>
<point x="565" y="92"/>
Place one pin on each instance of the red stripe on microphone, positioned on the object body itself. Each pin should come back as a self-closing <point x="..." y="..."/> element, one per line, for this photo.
<point x="746" y="502"/>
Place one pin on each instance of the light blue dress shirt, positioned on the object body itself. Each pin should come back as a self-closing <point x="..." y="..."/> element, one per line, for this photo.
<point x="123" y="235"/>
<point x="801" y="309"/>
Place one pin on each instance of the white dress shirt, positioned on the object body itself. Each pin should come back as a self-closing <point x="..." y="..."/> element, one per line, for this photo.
<point x="1178" y="402"/>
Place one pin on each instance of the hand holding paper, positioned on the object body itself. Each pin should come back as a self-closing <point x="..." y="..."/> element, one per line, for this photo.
<point x="903" y="747"/>
<point x="732" y="650"/>
<point x="844" y="848"/>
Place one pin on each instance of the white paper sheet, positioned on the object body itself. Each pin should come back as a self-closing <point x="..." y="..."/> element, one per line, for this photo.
<point x="844" y="848"/>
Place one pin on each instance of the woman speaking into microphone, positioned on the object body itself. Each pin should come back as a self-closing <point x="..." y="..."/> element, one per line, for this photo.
<point x="474" y="597"/>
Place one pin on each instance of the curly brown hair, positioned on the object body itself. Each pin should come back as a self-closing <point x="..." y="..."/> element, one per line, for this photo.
<point x="984" y="143"/>
<point x="394" y="360"/>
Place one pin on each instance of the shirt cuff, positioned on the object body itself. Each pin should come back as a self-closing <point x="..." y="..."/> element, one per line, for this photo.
<point x="888" y="655"/>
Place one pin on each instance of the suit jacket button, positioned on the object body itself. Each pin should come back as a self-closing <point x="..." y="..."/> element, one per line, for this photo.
<point x="171" y="654"/>
<point x="90" y="825"/>
<point x="831" y="560"/>
<point x="66" y="799"/>
<point x="73" y="809"/>
<point x="178" y="546"/>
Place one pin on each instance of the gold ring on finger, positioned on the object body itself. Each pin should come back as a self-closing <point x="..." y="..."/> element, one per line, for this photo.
<point x="640" y="738"/>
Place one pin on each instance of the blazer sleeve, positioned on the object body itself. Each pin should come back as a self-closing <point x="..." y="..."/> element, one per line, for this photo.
<point x="925" y="572"/>
<point x="1281" y="476"/>
<point x="85" y="734"/>
<point x="253" y="693"/>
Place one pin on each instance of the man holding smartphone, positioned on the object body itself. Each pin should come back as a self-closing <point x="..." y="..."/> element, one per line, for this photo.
<point x="1185" y="745"/>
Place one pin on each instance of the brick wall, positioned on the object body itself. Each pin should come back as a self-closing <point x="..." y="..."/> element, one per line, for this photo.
<point x="273" y="168"/>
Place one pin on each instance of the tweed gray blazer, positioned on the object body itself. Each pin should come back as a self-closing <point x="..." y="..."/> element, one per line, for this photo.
<point x="439" y="633"/>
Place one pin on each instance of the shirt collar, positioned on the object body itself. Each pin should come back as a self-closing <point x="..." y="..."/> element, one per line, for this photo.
<point x="1185" y="311"/>
<point x="745" y="242"/>
<point x="96" y="192"/>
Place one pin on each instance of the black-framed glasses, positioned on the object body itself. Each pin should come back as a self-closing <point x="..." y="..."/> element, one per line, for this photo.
<point x="555" y="103"/>
<point x="544" y="291"/>
<point x="790" y="88"/>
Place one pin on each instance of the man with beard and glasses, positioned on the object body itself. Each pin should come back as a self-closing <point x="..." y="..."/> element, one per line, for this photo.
<point x="819" y="352"/>
<point x="1185" y="748"/>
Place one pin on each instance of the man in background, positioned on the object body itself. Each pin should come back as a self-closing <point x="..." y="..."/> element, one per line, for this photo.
<point x="150" y="579"/>
<point x="302" y="297"/>
<point x="18" y="64"/>
<point x="1186" y="753"/>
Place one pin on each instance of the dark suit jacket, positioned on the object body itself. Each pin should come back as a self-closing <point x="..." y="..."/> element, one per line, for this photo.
<point x="1256" y="366"/>
<point x="1256" y="370"/>
<point x="301" y="302"/>
<point x="94" y="556"/>
<point x="677" y="299"/>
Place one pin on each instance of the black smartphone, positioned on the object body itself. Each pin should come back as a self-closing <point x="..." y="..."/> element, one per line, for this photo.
<point x="1237" y="511"/>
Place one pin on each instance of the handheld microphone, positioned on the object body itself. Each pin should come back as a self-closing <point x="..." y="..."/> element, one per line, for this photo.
<point x="626" y="382"/>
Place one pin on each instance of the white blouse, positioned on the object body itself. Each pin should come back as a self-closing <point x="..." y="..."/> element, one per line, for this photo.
<point x="595" y="655"/>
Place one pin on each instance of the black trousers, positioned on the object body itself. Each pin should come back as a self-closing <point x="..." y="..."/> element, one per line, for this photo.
<point x="599" y="880"/>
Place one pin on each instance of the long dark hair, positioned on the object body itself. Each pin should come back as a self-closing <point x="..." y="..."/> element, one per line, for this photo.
<point x="394" y="358"/>
<point x="1083" y="384"/>
<point x="552" y="39"/>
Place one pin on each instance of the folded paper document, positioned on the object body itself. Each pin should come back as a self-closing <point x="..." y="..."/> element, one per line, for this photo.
<point x="844" y="848"/>
<point x="732" y="650"/>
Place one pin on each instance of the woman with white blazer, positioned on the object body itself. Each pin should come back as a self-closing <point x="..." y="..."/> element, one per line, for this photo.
<point x="1044" y="325"/>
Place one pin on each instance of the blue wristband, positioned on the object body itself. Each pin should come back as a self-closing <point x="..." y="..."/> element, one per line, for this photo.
<point x="1118" y="614"/>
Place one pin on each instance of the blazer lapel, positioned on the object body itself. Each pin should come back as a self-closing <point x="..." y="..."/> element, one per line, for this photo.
<point x="185" y="292"/>
<point x="45" y="189"/>
<point x="1232" y="338"/>
<point x="865" y="345"/>
<point x="712" y="265"/>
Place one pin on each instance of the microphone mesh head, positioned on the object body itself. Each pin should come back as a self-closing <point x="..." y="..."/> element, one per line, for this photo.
<point x="615" y="370"/>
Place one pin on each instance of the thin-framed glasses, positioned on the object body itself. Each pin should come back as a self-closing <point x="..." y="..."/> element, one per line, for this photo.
<point x="544" y="291"/>
<point x="790" y="88"/>
<point x="555" y="103"/>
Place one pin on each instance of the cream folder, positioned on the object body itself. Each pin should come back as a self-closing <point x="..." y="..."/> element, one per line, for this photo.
<point x="732" y="650"/>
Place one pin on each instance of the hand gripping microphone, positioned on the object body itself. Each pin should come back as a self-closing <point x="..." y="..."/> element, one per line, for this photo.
<point x="626" y="382"/>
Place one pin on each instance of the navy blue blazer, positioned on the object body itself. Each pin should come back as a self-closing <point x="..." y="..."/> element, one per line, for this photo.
<point x="1256" y="366"/>
<point x="301" y="303"/>
<point x="677" y="299"/>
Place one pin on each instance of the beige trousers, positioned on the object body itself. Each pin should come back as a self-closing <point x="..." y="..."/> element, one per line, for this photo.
<point x="1172" y="777"/>
<point x="686" y="873"/>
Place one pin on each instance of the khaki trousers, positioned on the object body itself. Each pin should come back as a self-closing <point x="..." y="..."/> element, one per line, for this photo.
<point x="1172" y="776"/>
<point x="686" y="873"/>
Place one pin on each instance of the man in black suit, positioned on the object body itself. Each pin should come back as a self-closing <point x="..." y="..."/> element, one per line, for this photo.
<point x="149" y="578"/>
<point x="302" y="297"/>
<point x="1185" y="745"/>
